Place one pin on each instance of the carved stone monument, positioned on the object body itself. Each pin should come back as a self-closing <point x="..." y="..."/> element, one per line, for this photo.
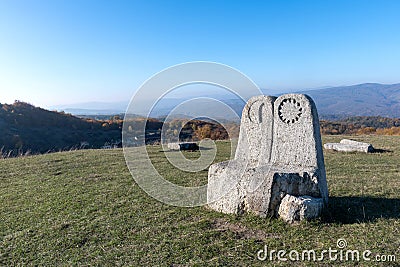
<point x="278" y="168"/>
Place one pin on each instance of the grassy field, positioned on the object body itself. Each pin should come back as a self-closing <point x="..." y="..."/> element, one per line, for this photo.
<point x="84" y="208"/>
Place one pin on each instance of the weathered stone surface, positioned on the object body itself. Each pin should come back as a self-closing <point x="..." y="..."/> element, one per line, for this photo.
<point x="279" y="153"/>
<point x="293" y="184"/>
<point x="226" y="192"/>
<point x="294" y="208"/>
<point x="256" y="131"/>
<point x="297" y="139"/>
<point x="183" y="146"/>
<point x="365" y="147"/>
<point x="174" y="146"/>
<point x="347" y="145"/>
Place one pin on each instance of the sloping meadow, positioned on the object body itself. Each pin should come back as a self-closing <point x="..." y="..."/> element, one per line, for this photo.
<point x="84" y="208"/>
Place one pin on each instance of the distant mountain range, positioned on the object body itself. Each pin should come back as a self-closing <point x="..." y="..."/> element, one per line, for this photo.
<point x="93" y="108"/>
<point x="369" y="99"/>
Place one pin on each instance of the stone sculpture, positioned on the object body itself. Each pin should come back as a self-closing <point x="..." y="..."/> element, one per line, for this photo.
<point x="278" y="168"/>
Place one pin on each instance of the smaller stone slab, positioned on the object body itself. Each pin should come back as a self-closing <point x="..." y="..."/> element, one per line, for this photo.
<point x="300" y="208"/>
<point x="183" y="146"/>
<point x="347" y="145"/>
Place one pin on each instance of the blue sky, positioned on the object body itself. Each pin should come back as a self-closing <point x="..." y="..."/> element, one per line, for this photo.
<point x="65" y="51"/>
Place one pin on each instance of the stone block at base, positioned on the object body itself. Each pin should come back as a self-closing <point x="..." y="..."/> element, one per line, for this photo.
<point x="300" y="208"/>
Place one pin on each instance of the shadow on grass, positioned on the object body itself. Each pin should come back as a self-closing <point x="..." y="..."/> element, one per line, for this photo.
<point x="200" y="148"/>
<point x="378" y="151"/>
<point x="349" y="210"/>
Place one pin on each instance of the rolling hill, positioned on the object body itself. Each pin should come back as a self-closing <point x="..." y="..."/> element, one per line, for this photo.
<point x="25" y="127"/>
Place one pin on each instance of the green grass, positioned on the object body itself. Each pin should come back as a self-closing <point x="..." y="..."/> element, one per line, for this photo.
<point x="84" y="208"/>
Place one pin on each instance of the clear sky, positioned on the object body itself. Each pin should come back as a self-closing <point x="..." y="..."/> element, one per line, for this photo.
<point x="66" y="51"/>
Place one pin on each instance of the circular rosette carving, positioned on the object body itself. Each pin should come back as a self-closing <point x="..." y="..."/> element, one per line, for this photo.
<point x="290" y="110"/>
